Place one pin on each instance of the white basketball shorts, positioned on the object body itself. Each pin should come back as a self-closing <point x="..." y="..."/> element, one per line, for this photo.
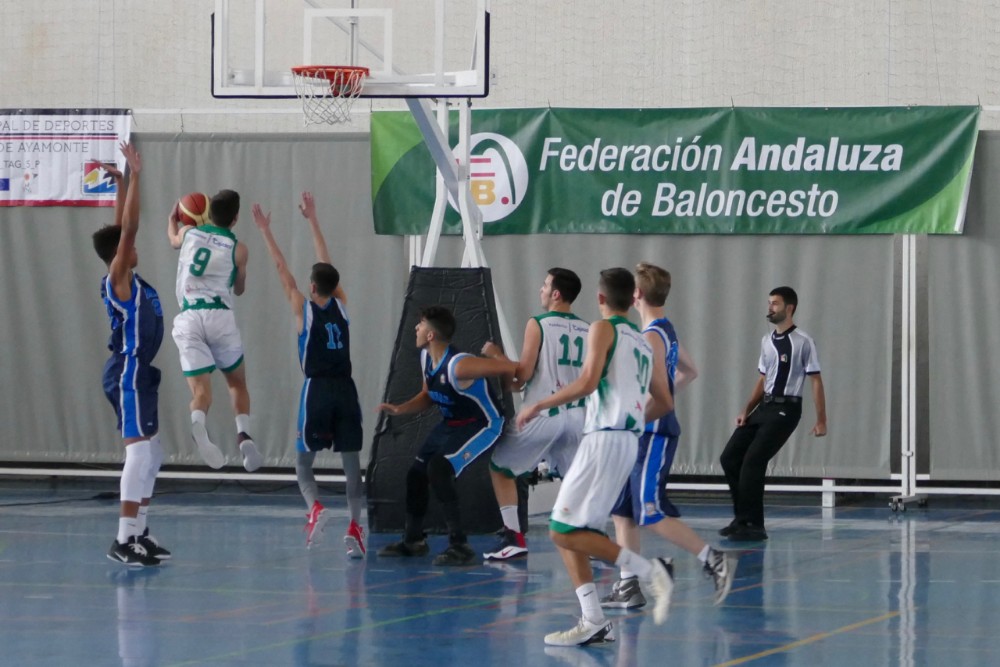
<point x="553" y="438"/>
<point x="594" y="481"/>
<point x="207" y="339"/>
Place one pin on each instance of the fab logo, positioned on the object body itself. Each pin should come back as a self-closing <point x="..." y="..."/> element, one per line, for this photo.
<point x="498" y="175"/>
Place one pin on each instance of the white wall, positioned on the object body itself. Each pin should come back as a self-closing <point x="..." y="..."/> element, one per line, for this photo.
<point x="587" y="53"/>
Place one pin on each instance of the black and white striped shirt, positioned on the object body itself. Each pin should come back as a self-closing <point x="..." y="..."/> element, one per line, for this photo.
<point x="785" y="361"/>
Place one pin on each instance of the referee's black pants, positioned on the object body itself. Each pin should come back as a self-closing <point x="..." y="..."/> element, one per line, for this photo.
<point x="749" y="450"/>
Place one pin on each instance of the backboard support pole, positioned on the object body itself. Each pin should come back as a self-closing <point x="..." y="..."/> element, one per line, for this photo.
<point x="454" y="175"/>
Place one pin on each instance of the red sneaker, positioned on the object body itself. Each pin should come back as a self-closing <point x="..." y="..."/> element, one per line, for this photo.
<point x="355" y="541"/>
<point x="315" y="521"/>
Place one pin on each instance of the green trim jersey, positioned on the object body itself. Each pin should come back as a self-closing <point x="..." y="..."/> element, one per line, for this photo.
<point x="206" y="268"/>
<point x="560" y="357"/>
<point x="619" y="401"/>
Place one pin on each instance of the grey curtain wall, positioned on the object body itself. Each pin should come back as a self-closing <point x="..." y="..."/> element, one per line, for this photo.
<point x="55" y="332"/>
<point x="963" y="327"/>
<point x="52" y="409"/>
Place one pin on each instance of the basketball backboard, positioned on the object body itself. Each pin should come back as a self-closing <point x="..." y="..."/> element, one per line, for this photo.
<point x="413" y="48"/>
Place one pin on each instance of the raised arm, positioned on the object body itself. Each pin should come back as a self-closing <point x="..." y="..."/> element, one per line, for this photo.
<point x="240" y="256"/>
<point x="121" y="265"/>
<point x="120" y="190"/>
<point x="292" y="293"/>
<point x="175" y="230"/>
<point x="308" y="210"/>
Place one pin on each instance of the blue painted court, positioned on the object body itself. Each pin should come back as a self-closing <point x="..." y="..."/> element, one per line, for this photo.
<point x="850" y="586"/>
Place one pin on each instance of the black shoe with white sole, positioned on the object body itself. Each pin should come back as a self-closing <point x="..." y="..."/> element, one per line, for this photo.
<point x="153" y="546"/>
<point x="132" y="554"/>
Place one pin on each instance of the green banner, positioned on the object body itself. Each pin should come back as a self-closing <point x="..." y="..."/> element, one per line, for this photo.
<point x="884" y="170"/>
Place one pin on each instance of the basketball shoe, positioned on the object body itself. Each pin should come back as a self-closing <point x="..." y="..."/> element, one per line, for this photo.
<point x="355" y="541"/>
<point x="315" y="521"/>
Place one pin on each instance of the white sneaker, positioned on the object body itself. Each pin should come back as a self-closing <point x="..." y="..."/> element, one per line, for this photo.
<point x="251" y="456"/>
<point x="583" y="633"/>
<point x="721" y="567"/>
<point x="661" y="582"/>
<point x="210" y="453"/>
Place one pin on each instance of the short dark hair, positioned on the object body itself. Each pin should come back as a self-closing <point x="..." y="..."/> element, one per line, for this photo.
<point x="224" y="208"/>
<point x="618" y="287"/>
<point x="106" y="241"/>
<point x="326" y="278"/>
<point x="654" y="283"/>
<point x="567" y="282"/>
<point x="440" y="319"/>
<point x="787" y="295"/>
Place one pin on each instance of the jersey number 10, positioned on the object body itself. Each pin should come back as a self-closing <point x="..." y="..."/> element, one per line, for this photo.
<point x="642" y="364"/>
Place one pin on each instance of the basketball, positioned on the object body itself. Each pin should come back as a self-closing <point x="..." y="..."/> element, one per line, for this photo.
<point x="192" y="208"/>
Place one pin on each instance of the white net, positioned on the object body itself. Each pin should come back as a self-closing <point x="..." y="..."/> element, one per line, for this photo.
<point x="327" y="93"/>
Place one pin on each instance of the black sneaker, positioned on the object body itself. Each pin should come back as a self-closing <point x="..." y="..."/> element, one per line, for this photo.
<point x="455" y="554"/>
<point x="747" y="533"/>
<point x="510" y="545"/>
<point x="131" y="553"/>
<point x="733" y="525"/>
<point x="625" y="594"/>
<point x="152" y="546"/>
<point x="404" y="549"/>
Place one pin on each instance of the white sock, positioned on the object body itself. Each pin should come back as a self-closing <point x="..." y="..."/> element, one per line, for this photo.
<point x="198" y="417"/>
<point x="140" y="520"/>
<point x="590" y="603"/>
<point x="126" y="528"/>
<point x="627" y="574"/>
<point x="243" y="424"/>
<point x="510" y="520"/>
<point x="703" y="554"/>
<point x="632" y="562"/>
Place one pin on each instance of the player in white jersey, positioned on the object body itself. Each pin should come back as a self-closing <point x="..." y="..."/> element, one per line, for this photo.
<point x="551" y="358"/>
<point x="644" y="501"/>
<point x="615" y="379"/>
<point x="211" y="268"/>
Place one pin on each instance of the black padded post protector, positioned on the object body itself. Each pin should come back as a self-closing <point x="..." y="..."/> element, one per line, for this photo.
<point x="469" y="295"/>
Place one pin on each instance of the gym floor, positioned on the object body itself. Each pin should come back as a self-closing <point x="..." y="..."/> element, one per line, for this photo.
<point x="856" y="585"/>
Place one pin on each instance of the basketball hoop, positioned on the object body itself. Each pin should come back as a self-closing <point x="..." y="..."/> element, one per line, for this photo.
<point x="328" y="91"/>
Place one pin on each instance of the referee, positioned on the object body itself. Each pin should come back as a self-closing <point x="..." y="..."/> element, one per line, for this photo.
<point x="787" y="356"/>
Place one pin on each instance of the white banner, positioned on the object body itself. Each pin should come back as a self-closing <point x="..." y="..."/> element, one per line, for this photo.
<point x="52" y="157"/>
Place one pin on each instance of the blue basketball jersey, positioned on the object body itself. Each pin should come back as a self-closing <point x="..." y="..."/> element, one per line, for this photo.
<point x="325" y="341"/>
<point x="475" y="402"/>
<point x="667" y="424"/>
<point x="136" y="324"/>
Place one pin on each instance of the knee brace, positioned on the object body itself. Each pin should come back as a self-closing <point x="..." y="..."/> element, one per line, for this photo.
<point x="136" y="466"/>
<point x="153" y="469"/>
<point x="155" y="456"/>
